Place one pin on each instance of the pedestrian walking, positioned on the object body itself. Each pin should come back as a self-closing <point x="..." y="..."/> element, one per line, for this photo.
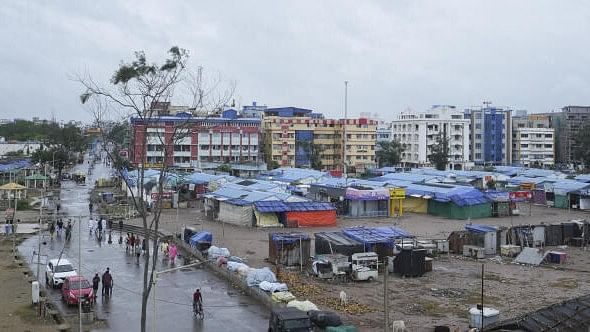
<point x="107" y="283"/>
<point x="95" y="283"/>
<point x="143" y="246"/>
<point x="172" y="251"/>
<point x="132" y="243"/>
<point x="51" y="230"/>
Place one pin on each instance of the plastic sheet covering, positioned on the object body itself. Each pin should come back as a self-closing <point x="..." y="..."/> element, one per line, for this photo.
<point x="267" y="219"/>
<point x="201" y="237"/>
<point x="214" y="252"/>
<point x="324" y="218"/>
<point x="273" y="286"/>
<point x="235" y="214"/>
<point x="324" y="319"/>
<point x="236" y="267"/>
<point x="282" y="297"/>
<point x="256" y="276"/>
<point x="302" y="305"/>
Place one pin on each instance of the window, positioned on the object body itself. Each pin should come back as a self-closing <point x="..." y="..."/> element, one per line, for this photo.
<point x="478" y="126"/>
<point x="549" y="146"/>
<point x="524" y="135"/>
<point x="478" y="145"/>
<point x="524" y="145"/>
<point x="478" y="156"/>
<point x="477" y="136"/>
<point x="548" y="135"/>
<point x="204" y="147"/>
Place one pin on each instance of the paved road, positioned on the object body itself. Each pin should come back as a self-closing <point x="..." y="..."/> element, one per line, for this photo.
<point x="224" y="310"/>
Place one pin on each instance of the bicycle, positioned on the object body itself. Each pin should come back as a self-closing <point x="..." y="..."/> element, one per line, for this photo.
<point x="198" y="310"/>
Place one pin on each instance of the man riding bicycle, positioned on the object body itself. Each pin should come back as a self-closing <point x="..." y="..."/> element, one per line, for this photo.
<point x="197" y="301"/>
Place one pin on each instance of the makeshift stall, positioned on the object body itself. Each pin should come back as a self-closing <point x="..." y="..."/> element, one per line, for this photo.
<point x="289" y="249"/>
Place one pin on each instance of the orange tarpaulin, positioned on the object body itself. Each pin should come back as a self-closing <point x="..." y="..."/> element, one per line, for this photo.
<point x="320" y="218"/>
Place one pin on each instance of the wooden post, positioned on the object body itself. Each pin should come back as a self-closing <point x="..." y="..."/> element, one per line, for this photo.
<point x="386" y="295"/>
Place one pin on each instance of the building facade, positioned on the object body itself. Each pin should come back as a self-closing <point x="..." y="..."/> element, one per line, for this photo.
<point x="533" y="141"/>
<point x="418" y="132"/>
<point x="490" y="135"/>
<point x="572" y="120"/>
<point x="294" y="136"/>
<point x="190" y="142"/>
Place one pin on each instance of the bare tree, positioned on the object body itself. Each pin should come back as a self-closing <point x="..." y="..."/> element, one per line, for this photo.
<point x="137" y="90"/>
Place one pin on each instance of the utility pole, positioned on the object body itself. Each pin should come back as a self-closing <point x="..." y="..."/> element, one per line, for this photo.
<point x="344" y="161"/>
<point x="80" y="269"/>
<point x="386" y="295"/>
<point x="39" y="237"/>
<point x="482" y="268"/>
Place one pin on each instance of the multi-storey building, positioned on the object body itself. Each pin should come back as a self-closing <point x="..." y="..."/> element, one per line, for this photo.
<point x="533" y="141"/>
<point x="490" y="135"/>
<point x="418" y="132"/>
<point x="571" y="120"/>
<point x="292" y="135"/>
<point x="254" y="110"/>
<point x="184" y="141"/>
<point x="384" y="131"/>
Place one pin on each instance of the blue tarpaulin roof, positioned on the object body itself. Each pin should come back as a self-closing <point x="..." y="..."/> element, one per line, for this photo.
<point x="270" y="206"/>
<point x="376" y="235"/>
<point x="14" y="165"/>
<point x="460" y="195"/>
<point x="480" y="228"/>
<point x="309" y="206"/>
<point x="200" y="237"/>
<point x="292" y="174"/>
<point x="583" y="178"/>
<point x="280" y="239"/>
<point x="278" y="206"/>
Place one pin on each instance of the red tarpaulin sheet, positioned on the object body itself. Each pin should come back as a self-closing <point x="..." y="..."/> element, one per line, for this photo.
<point x="312" y="218"/>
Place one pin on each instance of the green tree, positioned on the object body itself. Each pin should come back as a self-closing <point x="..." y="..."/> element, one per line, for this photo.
<point x="389" y="153"/>
<point x="581" y="151"/>
<point x="134" y="90"/>
<point x="225" y="168"/>
<point x="439" y="152"/>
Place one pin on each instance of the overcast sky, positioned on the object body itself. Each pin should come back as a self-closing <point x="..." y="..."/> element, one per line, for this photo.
<point x="532" y="55"/>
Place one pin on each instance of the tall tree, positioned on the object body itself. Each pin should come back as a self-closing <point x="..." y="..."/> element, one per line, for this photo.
<point x="134" y="89"/>
<point x="582" y="143"/>
<point x="439" y="152"/>
<point x="389" y="153"/>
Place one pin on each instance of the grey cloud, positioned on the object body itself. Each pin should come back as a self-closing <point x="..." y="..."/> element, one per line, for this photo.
<point x="526" y="54"/>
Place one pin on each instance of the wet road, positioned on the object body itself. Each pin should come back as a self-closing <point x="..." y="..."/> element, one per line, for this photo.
<point x="224" y="310"/>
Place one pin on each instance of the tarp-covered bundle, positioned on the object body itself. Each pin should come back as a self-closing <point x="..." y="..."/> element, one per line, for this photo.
<point x="273" y="287"/>
<point x="288" y="248"/>
<point x="302" y="305"/>
<point x="336" y="243"/>
<point x="256" y="276"/>
<point x="201" y="237"/>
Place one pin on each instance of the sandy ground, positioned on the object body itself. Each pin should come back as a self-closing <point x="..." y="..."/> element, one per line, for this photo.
<point x="441" y="297"/>
<point x="16" y="309"/>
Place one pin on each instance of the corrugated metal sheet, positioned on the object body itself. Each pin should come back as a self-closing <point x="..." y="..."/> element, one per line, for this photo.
<point x="309" y="206"/>
<point x="270" y="206"/>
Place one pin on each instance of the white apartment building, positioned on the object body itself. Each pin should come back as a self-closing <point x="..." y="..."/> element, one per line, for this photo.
<point x="418" y="131"/>
<point x="534" y="147"/>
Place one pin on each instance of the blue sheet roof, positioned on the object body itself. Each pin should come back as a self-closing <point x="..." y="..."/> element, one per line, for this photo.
<point x="15" y="165"/>
<point x="376" y="235"/>
<point x="583" y="178"/>
<point x="509" y="170"/>
<point x="309" y="206"/>
<point x="280" y="239"/>
<point x="289" y="174"/>
<point x="270" y="206"/>
<point x="480" y="228"/>
<point x="278" y="206"/>
<point x="408" y="177"/>
<point x="563" y="187"/>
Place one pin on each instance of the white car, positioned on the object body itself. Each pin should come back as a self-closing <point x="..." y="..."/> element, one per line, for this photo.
<point x="57" y="271"/>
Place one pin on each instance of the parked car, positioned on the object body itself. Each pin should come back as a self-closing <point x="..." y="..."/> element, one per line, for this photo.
<point x="289" y="320"/>
<point x="57" y="271"/>
<point x="75" y="288"/>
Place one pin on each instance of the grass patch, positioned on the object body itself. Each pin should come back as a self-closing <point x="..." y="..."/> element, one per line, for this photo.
<point x="27" y="314"/>
<point x="430" y="307"/>
<point x="566" y="283"/>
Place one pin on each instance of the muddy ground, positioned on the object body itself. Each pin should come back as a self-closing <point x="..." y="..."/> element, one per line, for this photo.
<point x="16" y="309"/>
<point x="441" y="297"/>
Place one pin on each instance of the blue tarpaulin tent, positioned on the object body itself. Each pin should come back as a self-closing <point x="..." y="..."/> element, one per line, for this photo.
<point x="201" y="237"/>
<point x="371" y="236"/>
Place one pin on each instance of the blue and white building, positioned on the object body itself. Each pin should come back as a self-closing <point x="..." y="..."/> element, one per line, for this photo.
<point x="490" y="134"/>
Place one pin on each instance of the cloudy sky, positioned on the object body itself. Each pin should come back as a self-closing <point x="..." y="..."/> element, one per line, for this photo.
<point x="532" y="55"/>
